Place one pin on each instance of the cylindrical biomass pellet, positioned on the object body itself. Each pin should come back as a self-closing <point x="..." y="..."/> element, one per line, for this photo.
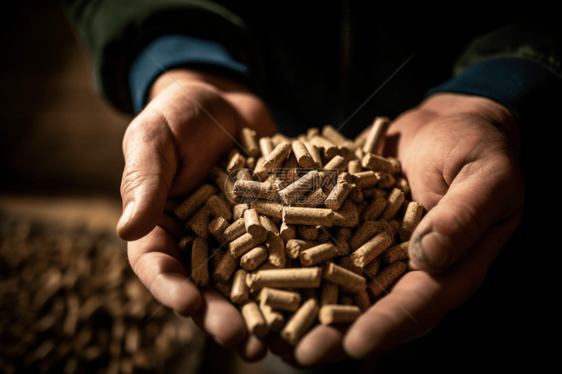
<point x="252" y="222"/>
<point x="235" y="230"/>
<point x="186" y="243"/>
<point x="254" y="319"/>
<point x="347" y="216"/>
<point x="318" y="254"/>
<point x="342" y="246"/>
<point x="354" y="167"/>
<point x="365" y="179"/>
<point x="254" y="257"/>
<point x="304" y="158"/>
<point x="329" y="149"/>
<point x="218" y="208"/>
<point x="217" y="227"/>
<point x="377" y="133"/>
<point x="329" y="293"/>
<point x="304" y="185"/>
<point x="195" y="202"/>
<point x="372" y="268"/>
<point x="280" y="299"/>
<point x="356" y="196"/>
<point x="236" y="160"/>
<point x="255" y="190"/>
<point x="396" y="253"/>
<point x="277" y="157"/>
<point x="245" y="174"/>
<point x="386" y="278"/>
<point x="215" y="259"/>
<point x="365" y="232"/>
<point x="226" y="184"/>
<point x="276" y="250"/>
<point x="288" y="232"/>
<point x="308" y="232"/>
<point x="332" y="314"/>
<point x="338" y="163"/>
<point x="386" y="180"/>
<point x="370" y="193"/>
<point x="279" y="138"/>
<point x="315" y="154"/>
<point x="395" y="200"/>
<point x="199" y="224"/>
<point x="332" y="134"/>
<point x="375" y="208"/>
<point x="199" y="267"/>
<point x="260" y="172"/>
<point x="343" y="277"/>
<point x="226" y="268"/>
<point x="268" y="224"/>
<point x="410" y="221"/>
<point x="312" y="200"/>
<point x="274" y="319"/>
<point x="362" y="300"/>
<point x="246" y="242"/>
<point x="337" y="196"/>
<point x="295" y="246"/>
<point x="266" y="146"/>
<point x="240" y="292"/>
<point x="378" y="163"/>
<point x="301" y="321"/>
<point x="274" y="210"/>
<point x="238" y="211"/>
<point x="371" y="249"/>
<point x="250" y="164"/>
<point x="249" y="142"/>
<point x="308" y="216"/>
<point x="285" y="278"/>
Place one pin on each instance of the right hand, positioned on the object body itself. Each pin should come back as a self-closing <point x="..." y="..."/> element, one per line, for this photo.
<point x="169" y="148"/>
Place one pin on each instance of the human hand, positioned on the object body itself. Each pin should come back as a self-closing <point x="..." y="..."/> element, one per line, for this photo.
<point x="169" y="148"/>
<point x="459" y="154"/>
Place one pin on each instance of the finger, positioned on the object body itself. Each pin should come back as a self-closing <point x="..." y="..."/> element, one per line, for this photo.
<point x="253" y="349"/>
<point x="321" y="345"/>
<point x="218" y="317"/>
<point x="480" y="195"/>
<point x="156" y="261"/>
<point x="150" y="165"/>
<point x="418" y="301"/>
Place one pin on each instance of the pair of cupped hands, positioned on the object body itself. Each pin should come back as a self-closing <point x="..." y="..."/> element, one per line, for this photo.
<point x="458" y="152"/>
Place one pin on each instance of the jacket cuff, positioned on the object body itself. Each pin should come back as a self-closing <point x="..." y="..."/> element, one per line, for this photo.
<point x="522" y="86"/>
<point x="170" y="51"/>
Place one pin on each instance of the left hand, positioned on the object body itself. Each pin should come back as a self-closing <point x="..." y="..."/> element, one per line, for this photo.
<point x="459" y="154"/>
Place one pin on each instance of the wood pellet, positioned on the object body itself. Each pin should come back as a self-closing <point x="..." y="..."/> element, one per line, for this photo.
<point x="315" y="231"/>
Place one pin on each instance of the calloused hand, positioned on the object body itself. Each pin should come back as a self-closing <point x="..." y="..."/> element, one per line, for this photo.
<point x="169" y="148"/>
<point x="459" y="154"/>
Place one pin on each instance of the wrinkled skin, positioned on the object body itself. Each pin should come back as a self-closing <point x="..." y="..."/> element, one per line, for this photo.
<point x="458" y="152"/>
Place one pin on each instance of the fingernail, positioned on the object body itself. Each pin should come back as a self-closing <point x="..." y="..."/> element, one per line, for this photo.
<point x="431" y="249"/>
<point x="125" y="217"/>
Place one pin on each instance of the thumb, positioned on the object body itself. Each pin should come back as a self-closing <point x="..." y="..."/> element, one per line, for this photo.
<point x="473" y="202"/>
<point x="150" y="165"/>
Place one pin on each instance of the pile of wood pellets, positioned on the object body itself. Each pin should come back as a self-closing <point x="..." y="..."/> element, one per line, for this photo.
<point x="72" y="304"/>
<point x="301" y="230"/>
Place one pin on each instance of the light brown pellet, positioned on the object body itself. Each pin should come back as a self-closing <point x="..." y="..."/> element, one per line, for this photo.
<point x="260" y="172"/>
<point x="395" y="200"/>
<point x="308" y="232"/>
<point x="254" y="319"/>
<point x="333" y="314"/>
<point x="245" y="174"/>
<point x="376" y="135"/>
<point x="371" y="249"/>
<point x="195" y="202"/>
<point x="396" y="253"/>
<point x="288" y="232"/>
<point x="285" y="278"/>
<point x="308" y="216"/>
<point x="235" y="230"/>
<point x="279" y="138"/>
<point x="312" y="132"/>
<point x="238" y="211"/>
<point x="199" y="267"/>
<point x="249" y="142"/>
<point x="373" y="267"/>
<point x="268" y="224"/>
<point x="274" y="319"/>
<point x="347" y="216"/>
<point x="338" y="163"/>
<point x="318" y="254"/>
<point x="403" y="185"/>
<point x="218" y="208"/>
<point x="379" y="163"/>
<point x="240" y="292"/>
<point x="337" y="196"/>
<point x="366" y="179"/>
<point x="246" y="242"/>
<point x="295" y="246"/>
<point x="354" y="167"/>
<point x="312" y="200"/>
<point x="199" y="224"/>
<point x="266" y="146"/>
<point x="329" y="293"/>
<point x="277" y="157"/>
<point x="362" y="300"/>
<point x="343" y="277"/>
<point x="226" y="184"/>
<point x="365" y="232"/>
<point x="410" y="221"/>
<point x="290" y="172"/>
<point x="340" y="241"/>
<point x="254" y="257"/>
<point x="329" y="149"/>
<point x="386" y="180"/>
<point x="300" y="322"/>
<point x="274" y="210"/>
<point x="226" y="268"/>
<point x="315" y="154"/>
<point x="331" y="133"/>
<point x="236" y="160"/>
<point x="280" y="299"/>
<point x="255" y="190"/>
<point x="217" y="227"/>
<point x="252" y="222"/>
<point x="250" y="164"/>
<point x="307" y="183"/>
<point x="386" y="278"/>
<point x="304" y="158"/>
<point x="276" y="250"/>
<point x="375" y="208"/>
